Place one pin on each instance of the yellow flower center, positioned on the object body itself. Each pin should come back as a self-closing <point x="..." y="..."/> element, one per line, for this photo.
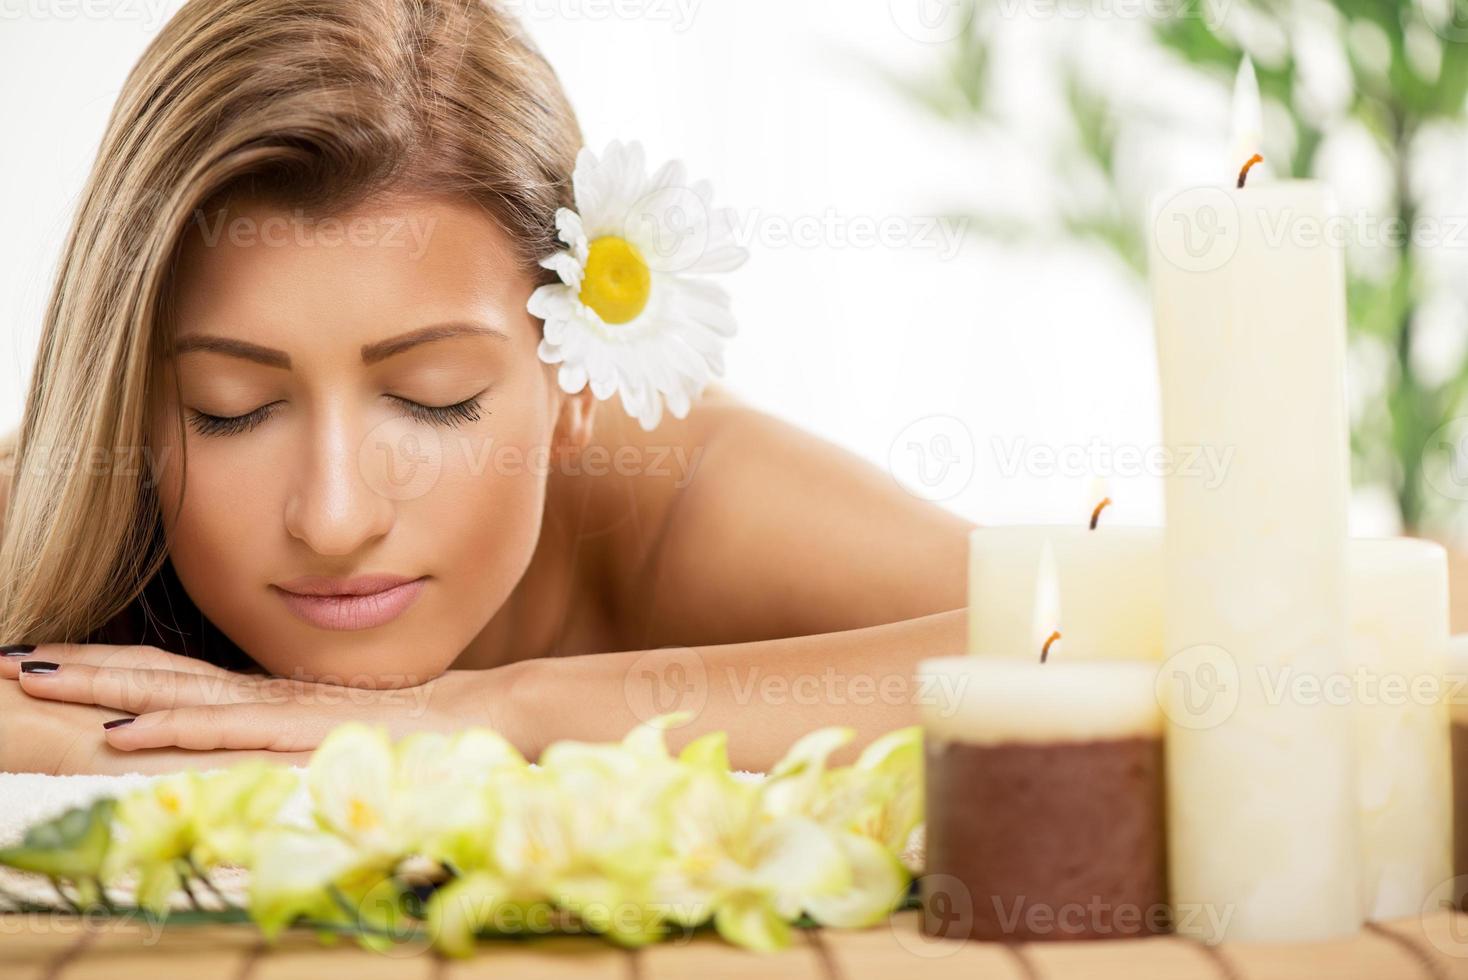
<point x="361" y="816"/>
<point x="617" y="282"/>
<point x="170" y="802"/>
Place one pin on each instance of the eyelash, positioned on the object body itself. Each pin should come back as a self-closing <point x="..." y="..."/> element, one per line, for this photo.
<point x="457" y="414"/>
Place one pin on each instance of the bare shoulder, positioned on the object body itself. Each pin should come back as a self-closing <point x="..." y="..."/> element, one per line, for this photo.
<point x="734" y="525"/>
<point x="627" y="482"/>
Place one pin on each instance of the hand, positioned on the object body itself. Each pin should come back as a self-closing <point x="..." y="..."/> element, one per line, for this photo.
<point x="187" y="703"/>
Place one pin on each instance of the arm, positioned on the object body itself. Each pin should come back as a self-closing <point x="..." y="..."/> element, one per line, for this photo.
<point x="765" y="693"/>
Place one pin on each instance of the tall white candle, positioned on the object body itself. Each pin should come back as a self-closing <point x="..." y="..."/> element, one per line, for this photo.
<point x="1399" y="644"/>
<point x="1250" y="320"/>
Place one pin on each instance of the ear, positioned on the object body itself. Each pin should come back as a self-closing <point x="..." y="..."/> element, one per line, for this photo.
<point x="575" y="422"/>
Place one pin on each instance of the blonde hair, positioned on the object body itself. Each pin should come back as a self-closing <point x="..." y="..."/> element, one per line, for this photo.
<point x="318" y="104"/>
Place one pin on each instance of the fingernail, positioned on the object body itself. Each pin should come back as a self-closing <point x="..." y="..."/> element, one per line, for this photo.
<point x="39" y="667"/>
<point x="117" y="723"/>
<point x="17" y="649"/>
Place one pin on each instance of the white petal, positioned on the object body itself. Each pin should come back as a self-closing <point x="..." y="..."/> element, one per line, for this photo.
<point x="572" y="378"/>
<point x="679" y="403"/>
<point x="751" y="922"/>
<point x="799" y="858"/>
<point x="350" y="776"/>
<point x="603" y="386"/>
<point x="878" y="880"/>
<point x="565" y="265"/>
<point x="719" y="258"/>
<point x="550" y="302"/>
<point x="572" y="232"/>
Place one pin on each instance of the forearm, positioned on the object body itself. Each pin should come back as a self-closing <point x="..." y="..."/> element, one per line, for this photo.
<point x="765" y="694"/>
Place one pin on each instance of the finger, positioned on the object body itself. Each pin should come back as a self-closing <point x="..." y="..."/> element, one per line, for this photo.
<point x="110" y="655"/>
<point x="251" y="725"/>
<point x="136" y="690"/>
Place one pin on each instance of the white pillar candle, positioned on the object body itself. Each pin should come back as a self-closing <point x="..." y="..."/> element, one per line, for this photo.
<point x="1399" y="640"/>
<point x="1107" y="600"/>
<point x="1045" y="800"/>
<point x="1249" y="302"/>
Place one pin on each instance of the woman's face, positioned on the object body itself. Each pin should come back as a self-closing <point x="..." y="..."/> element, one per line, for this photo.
<point x="361" y="397"/>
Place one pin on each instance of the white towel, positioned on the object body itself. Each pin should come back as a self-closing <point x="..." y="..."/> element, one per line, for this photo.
<point x="28" y="798"/>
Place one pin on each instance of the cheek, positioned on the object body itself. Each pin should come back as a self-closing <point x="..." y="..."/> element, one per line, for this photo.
<point x="485" y="511"/>
<point x="227" y="502"/>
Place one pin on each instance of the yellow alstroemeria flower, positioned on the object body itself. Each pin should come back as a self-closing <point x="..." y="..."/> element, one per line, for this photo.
<point x="583" y="832"/>
<point x="210" y="818"/>
<point x="154" y="830"/>
<point x="870" y="808"/>
<point x="374" y="804"/>
<point x="441" y="785"/>
<point x="751" y="870"/>
<point x="234" y="806"/>
<point x="881" y="796"/>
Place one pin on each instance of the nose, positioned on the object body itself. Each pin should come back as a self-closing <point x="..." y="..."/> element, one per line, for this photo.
<point x="332" y="508"/>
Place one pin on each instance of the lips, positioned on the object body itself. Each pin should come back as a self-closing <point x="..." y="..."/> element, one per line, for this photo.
<point x="350" y="604"/>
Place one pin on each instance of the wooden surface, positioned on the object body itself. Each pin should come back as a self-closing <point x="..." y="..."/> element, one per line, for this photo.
<point x="68" y="948"/>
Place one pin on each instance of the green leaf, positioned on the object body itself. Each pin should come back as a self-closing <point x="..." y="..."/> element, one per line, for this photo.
<point x="72" y="845"/>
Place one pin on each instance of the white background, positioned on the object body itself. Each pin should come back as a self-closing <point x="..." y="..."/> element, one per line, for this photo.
<point x="783" y="105"/>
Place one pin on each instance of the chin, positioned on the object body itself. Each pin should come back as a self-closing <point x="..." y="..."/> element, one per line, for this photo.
<point x="374" y="665"/>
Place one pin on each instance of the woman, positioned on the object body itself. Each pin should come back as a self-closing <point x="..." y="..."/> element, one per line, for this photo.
<point x="290" y="356"/>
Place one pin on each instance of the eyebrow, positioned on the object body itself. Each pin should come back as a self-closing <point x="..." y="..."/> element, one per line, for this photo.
<point x="371" y="353"/>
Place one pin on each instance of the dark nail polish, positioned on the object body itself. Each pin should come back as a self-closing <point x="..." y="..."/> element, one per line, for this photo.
<point x="116" y="723"/>
<point x="39" y="667"/>
<point x="17" y="649"/>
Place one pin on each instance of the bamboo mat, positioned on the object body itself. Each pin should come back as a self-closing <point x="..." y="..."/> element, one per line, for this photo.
<point x="68" y="948"/>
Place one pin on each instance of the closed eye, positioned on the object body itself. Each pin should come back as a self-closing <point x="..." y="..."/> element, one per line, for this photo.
<point x="459" y="413"/>
<point x="229" y="425"/>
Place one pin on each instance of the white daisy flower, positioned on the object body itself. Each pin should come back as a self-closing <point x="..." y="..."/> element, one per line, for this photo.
<point x="633" y="313"/>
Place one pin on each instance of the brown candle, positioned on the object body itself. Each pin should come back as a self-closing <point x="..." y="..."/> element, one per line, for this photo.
<point x="1045" y="805"/>
<point x="1457" y="698"/>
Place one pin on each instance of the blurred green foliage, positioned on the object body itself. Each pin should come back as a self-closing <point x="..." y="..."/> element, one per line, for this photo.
<point x="1408" y="68"/>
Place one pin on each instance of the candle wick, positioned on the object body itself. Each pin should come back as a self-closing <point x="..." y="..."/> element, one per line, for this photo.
<point x="1244" y="174"/>
<point x="1045" y="650"/>
<point x="1096" y="514"/>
